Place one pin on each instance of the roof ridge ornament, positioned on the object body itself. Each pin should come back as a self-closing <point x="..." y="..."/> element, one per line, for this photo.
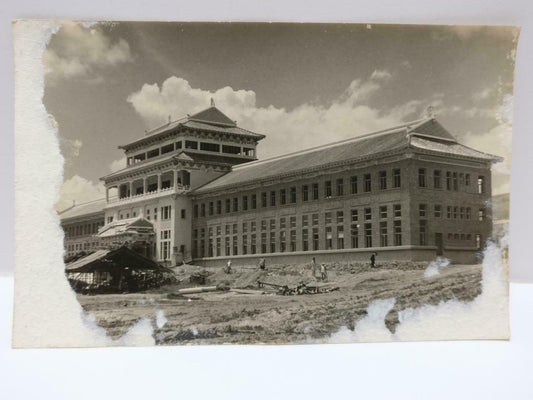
<point x="212" y="102"/>
<point x="430" y="112"/>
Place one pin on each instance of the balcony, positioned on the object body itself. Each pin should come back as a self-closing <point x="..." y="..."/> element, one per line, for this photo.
<point x="178" y="189"/>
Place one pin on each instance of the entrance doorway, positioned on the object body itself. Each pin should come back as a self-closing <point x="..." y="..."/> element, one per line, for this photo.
<point x="439" y="244"/>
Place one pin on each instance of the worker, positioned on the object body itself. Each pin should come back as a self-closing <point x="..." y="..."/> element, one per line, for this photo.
<point x="373" y="260"/>
<point x="228" y="267"/>
<point x="313" y="266"/>
<point x="323" y="272"/>
<point x="262" y="263"/>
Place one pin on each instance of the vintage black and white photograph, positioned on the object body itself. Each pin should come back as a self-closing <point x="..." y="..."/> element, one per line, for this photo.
<point x="268" y="183"/>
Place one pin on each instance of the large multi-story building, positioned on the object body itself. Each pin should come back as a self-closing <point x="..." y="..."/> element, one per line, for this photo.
<point x="197" y="190"/>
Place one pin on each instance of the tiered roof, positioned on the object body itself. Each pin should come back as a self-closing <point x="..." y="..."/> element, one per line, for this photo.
<point x="426" y="135"/>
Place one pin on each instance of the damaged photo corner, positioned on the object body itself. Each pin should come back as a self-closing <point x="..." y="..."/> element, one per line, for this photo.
<point x="257" y="183"/>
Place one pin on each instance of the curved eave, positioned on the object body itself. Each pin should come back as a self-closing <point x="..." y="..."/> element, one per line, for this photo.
<point x="175" y="130"/>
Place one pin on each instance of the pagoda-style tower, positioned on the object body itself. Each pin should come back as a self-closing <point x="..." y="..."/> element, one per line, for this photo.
<point x="169" y="162"/>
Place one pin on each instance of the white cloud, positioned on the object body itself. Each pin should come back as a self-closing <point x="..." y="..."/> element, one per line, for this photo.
<point x="77" y="51"/>
<point x="380" y="74"/>
<point x="80" y="190"/>
<point x="305" y="126"/>
<point x="117" y="165"/>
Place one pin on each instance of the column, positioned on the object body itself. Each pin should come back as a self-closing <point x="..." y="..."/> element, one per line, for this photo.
<point x="144" y="186"/>
<point x="158" y="182"/>
<point x="107" y="194"/>
<point x="130" y="184"/>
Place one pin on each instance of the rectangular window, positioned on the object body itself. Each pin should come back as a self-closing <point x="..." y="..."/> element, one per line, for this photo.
<point x="368" y="183"/>
<point x="461" y="179"/>
<point x="245" y="244"/>
<point x="244" y="227"/>
<point x="455" y="182"/>
<point x="211" y="208"/>
<point x="305" y="240"/>
<point x="244" y="203"/>
<point x="329" y="238"/>
<point x="437" y="211"/>
<point x="282" y="224"/>
<point x="340" y="217"/>
<point x="254" y="201"/>
<point x="383" y="212"/>
<point x="282" y="241"/>
<point x="467" y="179"/>
<point x="327" y="218"/>
<point x="462" y="213"/>
<point x="263" y="199"/>
<point x="283" y="197"/>
<point x="355" y="215"/>
<point x="340" y="237"/>
<point x="368" y="235"/>
<point x="449" y="212"/>
<point x="422" y="177"/>
<point x="305" y="193"/>
<point x="235" y="204"/>
<point x="396" y="178"/>
<point x="423" y="232"/>
<point x="228" y="205"/>
<point x="398" y="233"/>
<point x="202" y="210"/>
<point x="455" y="209"/>
<point x="436" y="179"/>
<point x="293" y="240"/>
<point x="315" y="191"/>
<point x="235" y="246"/>
<point x="263" y="242"/>
<point x="166" y="212"/>
<point x="481" y="214"/>
<point x="305" y="220"/>
<point x="219" y="207"/>
<point x="354" y="236"/>
<point x="272" y="242"/>
<point x="382" y="180"/>
<point x="263" y="225"/>
<point x="293" y="195"/>
<point x="227" y="229"/>
<point x="292" y="222"/>
<point x="383" y="234"/>
<point x="478" y="241"/>
<point x="183" y="213"/>
<point x="480" y="184"/>
<point x="227" y="246"/>
<point x="353" y="184"/>
<point x="315" y="238"/>
<point x="368" y="214"/>
<point x="273" y="198"/>
<point x="272" y="224"/>
<point x="397" y="210"/>
<point x="468" y="213"/>
<point x="422" y="210"/>
<point x="315" y="219"/>
<point x="340" y="187"/>
<point x="327" y="189"/>
<point x="253" y="247"/>
<point x="448" y="180"/>
<point x="195" y="211"/>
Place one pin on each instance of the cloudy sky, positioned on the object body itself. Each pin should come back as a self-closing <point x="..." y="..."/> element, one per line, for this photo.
<point x="301" y="85"/>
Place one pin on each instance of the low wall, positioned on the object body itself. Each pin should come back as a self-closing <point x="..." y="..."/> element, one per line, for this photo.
<point x="384" y="254"/>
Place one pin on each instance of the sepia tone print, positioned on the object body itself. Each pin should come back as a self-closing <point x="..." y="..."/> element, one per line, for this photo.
<point x="306" y="216"/>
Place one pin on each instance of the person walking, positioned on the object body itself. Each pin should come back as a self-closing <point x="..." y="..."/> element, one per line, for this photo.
<point x="227" y="270"/>
<point x="323" y="272"/>
<point x="373" y="260"/>
<point x="262" y="263"/>
<point x="313" y="266"/>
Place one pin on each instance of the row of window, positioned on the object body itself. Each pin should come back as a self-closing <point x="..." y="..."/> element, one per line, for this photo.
<point x="83" y="230"/>
<point x="283" y="241"/>
<point x="166" y="214"/>
<point x="285" y="196"/>
<point x="193" y="145"/>
<point x="82" y="246"/>
<point x="453" y="180"/>
<point x="452" y="212"/>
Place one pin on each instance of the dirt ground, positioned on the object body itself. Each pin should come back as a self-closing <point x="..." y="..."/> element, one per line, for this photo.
<point x="229" y="317"/>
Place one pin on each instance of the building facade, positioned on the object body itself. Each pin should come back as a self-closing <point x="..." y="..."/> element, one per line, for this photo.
<point x="411" y="192"/>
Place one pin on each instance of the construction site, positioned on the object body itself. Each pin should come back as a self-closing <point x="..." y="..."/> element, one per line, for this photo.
<point x="279" y="304"/>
